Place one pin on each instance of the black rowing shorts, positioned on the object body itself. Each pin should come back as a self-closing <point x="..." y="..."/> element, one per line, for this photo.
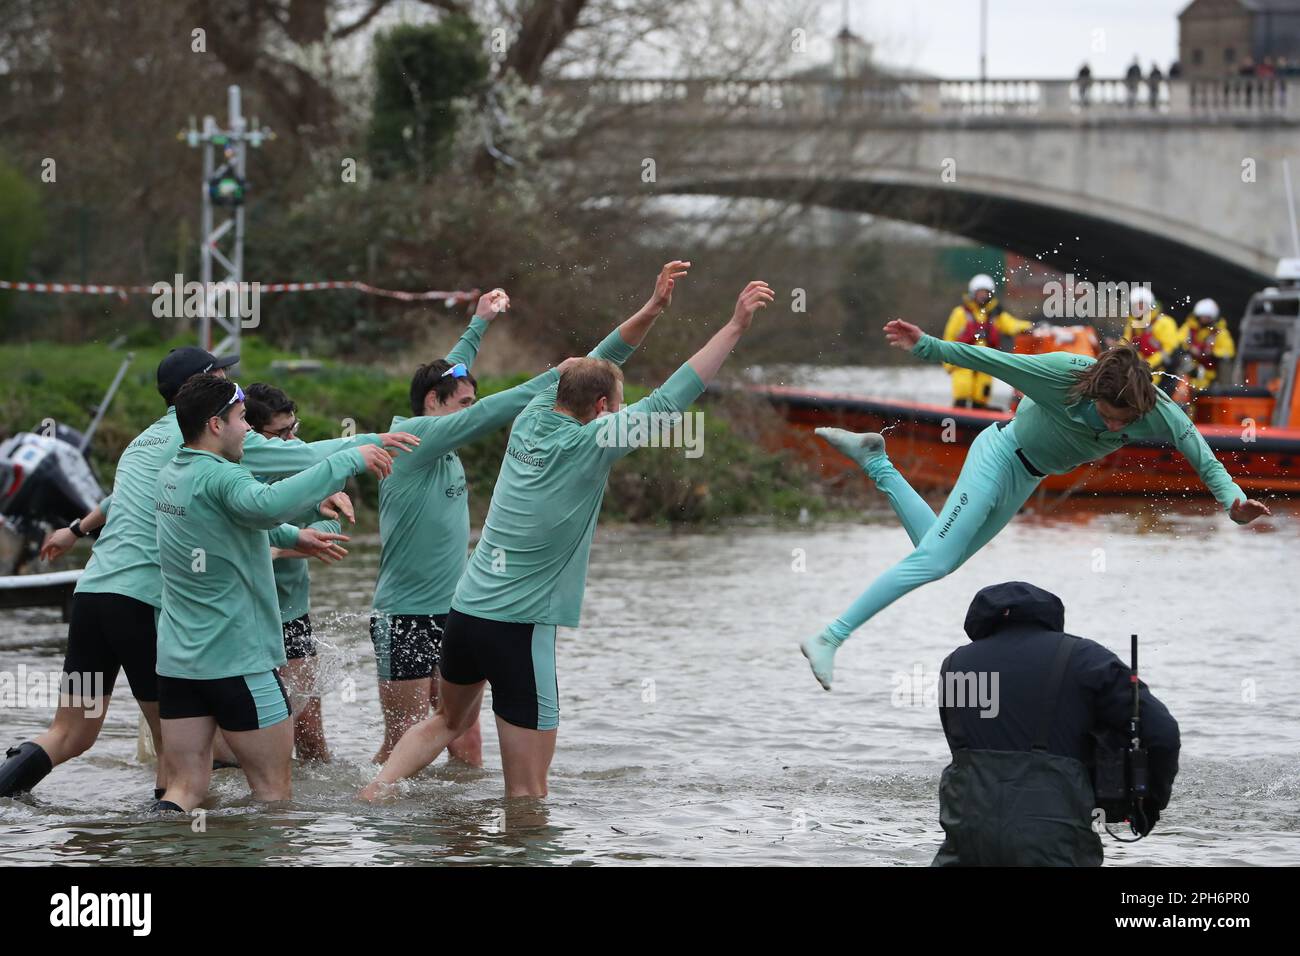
<point x="108" y="632"/>
<point x="518" y="660"/>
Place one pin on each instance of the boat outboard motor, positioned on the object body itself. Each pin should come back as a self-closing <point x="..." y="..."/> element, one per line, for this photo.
<point x="46" y="482"/>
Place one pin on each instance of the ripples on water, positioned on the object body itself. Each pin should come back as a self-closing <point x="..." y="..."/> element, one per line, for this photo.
<point x="691" y="730"/>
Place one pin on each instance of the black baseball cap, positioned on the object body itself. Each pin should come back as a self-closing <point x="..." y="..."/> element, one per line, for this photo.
<point x="182" y="364"/>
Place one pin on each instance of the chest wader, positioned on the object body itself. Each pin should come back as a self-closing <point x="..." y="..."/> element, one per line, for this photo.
<point x="1019" y="807"/>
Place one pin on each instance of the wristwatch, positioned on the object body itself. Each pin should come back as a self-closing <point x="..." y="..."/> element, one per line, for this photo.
<point x="75" y="528"/>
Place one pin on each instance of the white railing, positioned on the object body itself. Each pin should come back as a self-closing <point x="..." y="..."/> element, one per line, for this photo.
<point x="809" y="99"/>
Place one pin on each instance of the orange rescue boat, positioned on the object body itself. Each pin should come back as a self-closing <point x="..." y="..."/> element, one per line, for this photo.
<point x="1251" y="421"/>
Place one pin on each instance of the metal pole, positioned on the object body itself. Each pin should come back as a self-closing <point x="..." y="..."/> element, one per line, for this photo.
<point x="205" y="232"/>
<point x="221" y="298"/>
<point x="108" y="397"/>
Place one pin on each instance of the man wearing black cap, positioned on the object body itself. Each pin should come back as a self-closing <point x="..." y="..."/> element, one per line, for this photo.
<point x="1022" y="706"/>
<point x="115" y="606"/>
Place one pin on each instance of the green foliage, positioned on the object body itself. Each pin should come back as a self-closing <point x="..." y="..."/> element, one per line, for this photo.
<point x="420" y="73"/>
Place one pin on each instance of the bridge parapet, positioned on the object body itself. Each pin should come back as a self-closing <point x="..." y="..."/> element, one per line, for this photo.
<point x="888" y="100"/>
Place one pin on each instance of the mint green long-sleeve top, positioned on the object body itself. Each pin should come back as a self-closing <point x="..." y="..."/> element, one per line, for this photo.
<point x="530" y="564"/>
<point x="125" y="558"/>
<point x="1057" y="435"/>
<point x="424" y="503"/>
<point x="293" y="575"/>
<point x="220" y="614"/>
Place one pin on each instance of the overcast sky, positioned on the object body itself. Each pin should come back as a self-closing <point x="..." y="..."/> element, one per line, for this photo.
<point x="1026" y="38"/>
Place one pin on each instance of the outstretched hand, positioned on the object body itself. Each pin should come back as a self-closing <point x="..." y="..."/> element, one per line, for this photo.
<point x="755" y="296"/>
<point x="399" y="441"/>
<point x="321" y="544"/>
<point x="491" y="304"/>
<point x="57" y="543"/>
<point x="378" y="462"/>
<point x="668" y="276"/>
<point x="902" y="335"/>
<point x="338" y="504"/>
<point x="1244" y="512"/>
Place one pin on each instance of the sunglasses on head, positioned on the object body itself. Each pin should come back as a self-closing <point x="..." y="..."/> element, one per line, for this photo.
<point x="459" y="370"/>
<point x="237" y="397"/>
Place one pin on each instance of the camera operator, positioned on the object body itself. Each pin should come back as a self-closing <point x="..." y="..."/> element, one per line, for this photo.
<point x="1019" y="790"/>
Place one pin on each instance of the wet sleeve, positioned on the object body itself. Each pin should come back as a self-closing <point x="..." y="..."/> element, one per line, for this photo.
<point x="275" y="458"/>
<point x="617" y="435"/>
<point x="466" y="348"/>
<point x="1044" y="378"/>
<point x="284" y="536"/>
<point x="613" y="348"/>
<point x="256" y="504"/>
<point x="1187" y="439"/>
<point x="440" y="434"/>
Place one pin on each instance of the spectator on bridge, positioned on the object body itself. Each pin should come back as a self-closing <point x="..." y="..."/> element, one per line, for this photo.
<point x="1154" y="79"/>
<point x="1267" y="68"/>
<point x="1084" y="82"/>
<point x="979" y="320"/>
<point x="1133" y="80"/>
<point x="1175" y="70"/>
<point x="1247" y="67"/>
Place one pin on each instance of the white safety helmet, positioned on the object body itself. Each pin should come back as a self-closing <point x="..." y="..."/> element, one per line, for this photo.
<point x="981" y="281"/>
<point x="1141" y="298"/>
<point x="1206" y="309"/>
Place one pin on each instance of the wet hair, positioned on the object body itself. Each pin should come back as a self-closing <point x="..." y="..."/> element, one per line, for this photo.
<point x="198" y="400"/>
<point x="586" y="382"/>
<point x="434" y="378"/>
<point x="263" y="402"/>
<point x="1121" y="377"/>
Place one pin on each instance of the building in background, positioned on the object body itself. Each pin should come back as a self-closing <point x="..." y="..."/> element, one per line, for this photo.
<point x="1227" y="37"/>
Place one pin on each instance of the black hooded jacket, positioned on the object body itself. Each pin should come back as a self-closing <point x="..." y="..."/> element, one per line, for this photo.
<point x="1014" y="629"/>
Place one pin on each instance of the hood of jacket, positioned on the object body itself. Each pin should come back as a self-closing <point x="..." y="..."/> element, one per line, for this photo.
<point x="1013" y="602"/>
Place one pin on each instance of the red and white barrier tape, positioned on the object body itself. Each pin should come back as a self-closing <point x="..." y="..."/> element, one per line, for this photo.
<point x="122" y="291"/>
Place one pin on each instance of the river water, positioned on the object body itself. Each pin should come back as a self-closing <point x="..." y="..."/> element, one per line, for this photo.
<point x="691" y="730"/>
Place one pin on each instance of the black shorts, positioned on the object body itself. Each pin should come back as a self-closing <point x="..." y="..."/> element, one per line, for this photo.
<point x="407" y="646"/>
<point x="518" y="660"/>
<point x="108" y="632"/>
<point x="251" y="702"/>
<point x="298" y="640"/>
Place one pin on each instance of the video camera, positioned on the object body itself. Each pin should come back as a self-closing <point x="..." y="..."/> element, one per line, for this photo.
<point x="1120" y="767"/>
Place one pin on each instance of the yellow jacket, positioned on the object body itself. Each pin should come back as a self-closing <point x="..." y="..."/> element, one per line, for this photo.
<point x="981" y="326"/>
<point x="1209" y="347"/>
<point x="1156" y="339"/>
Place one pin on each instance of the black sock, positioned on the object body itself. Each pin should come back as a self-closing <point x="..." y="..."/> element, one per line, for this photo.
<point x="166" y="806"/>
<point x="158" y="792"/>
